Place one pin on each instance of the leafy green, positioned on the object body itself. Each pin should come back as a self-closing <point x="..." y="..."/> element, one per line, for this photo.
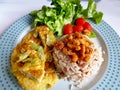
<point x="97" y="17"/>
<point x="92" y="35"/>
<point x="63" y="12"/>
<point x="90" y="12"/>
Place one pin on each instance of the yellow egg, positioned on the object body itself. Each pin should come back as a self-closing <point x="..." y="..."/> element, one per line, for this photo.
<point x="31" y="60"/>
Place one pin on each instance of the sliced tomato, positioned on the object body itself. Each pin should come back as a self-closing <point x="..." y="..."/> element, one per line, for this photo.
<point x="87" y="26"/>
<point x="80" y="21"/>
<point x="68" y="29"/>
<point x="78" y="28"/>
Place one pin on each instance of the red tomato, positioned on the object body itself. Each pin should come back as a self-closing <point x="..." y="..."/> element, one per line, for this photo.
<point x="68" y="29"/>
<point x="87" y="26"/>
<point x="79" y="21"/>
<point x="78" y="28"/>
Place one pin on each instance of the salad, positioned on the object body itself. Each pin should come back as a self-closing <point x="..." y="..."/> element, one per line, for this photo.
<point x="63" y="12"/>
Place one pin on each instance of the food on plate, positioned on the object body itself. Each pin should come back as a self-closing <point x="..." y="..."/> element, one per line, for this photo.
<point x="76" y="57"/>
<point x="63" y="12"/>
<point x="58" y="45"/>
<point x="81" y="25"/>
<point x="68" y="29"/>
<point x="31" y="60"/>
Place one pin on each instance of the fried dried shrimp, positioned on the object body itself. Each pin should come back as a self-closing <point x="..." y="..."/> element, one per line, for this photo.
<point x="77" y="46"/>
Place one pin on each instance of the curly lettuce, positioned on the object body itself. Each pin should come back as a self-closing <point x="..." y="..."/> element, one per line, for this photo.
<point x="63" y="12"/>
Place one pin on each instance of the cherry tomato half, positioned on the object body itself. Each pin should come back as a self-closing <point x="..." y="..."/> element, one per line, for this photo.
<point x="68" y="29"/>
<point x="78" y="28"/>
<point x="87" y="26"/>
<point x="80" y="21"/>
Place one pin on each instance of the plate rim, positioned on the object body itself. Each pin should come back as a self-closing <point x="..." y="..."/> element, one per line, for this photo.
<point x="96" y="28"/>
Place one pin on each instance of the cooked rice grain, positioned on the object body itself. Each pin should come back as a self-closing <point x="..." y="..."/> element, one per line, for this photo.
<point x="81" y="71"/>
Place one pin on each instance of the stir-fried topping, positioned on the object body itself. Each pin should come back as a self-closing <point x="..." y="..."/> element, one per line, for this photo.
<point x="76" y="46"/>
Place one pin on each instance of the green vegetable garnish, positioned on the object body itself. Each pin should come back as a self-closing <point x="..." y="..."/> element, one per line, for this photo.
<point x="90" y="12"/>
<point x="23" y="56"/>
<point x="63" y="12"/>
<point x="32" y="60"/>
<point x="92" y="35"/>
<point x="39" y="50"/>
<point x="41" y="53"/>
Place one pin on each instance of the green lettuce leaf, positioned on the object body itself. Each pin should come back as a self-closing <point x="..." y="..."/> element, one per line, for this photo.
<point x="91" y="12"/>
<point x="92" y="35"/>
<point x="63" y="12"/>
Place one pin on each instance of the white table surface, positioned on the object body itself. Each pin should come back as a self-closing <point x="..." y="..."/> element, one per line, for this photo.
<point x="11" y="10"/>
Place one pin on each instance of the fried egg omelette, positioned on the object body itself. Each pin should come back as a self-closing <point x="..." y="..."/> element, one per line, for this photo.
<point x="31" y="60"/>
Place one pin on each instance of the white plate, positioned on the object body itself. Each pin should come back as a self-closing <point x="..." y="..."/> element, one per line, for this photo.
<point x="106" y="79"/>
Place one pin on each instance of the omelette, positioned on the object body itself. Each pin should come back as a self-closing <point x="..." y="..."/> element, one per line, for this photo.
<point x="31" y="60"/>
